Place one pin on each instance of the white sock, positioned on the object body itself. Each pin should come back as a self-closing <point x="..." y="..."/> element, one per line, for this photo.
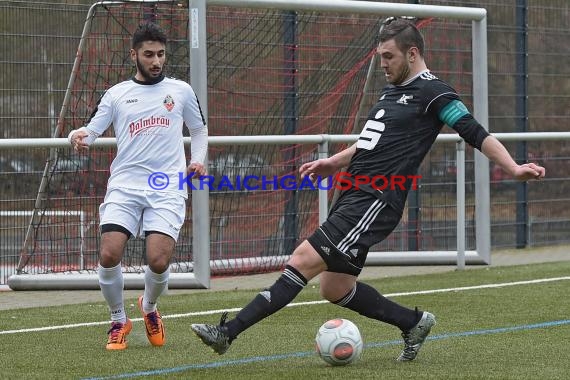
<point x="112" y="282"/>
<point x="154" y="286"/>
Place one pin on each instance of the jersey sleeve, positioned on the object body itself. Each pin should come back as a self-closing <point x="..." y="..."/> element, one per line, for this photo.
<point x="450" y="110"/>
<point x="193" y="116"/>
<point x="196" y="124"/>
<point x="102" y="115"/>
<point x="437" y="94"/>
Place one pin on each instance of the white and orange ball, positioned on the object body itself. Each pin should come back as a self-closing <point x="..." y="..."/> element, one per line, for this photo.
<point x="339" y="342"/>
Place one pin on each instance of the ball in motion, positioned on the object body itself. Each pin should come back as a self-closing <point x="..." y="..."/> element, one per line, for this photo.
<point x="339" y="342"/>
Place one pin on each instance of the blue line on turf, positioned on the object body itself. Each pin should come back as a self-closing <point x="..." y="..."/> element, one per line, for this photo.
<point x="256" y="359"/>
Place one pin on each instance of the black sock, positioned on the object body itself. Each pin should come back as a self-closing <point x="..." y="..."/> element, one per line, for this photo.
<point x="267" y="302"/>
<point x="367" y="301"/>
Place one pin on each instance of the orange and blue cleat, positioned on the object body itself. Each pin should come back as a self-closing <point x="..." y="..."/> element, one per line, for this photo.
<point x="118" y="335"/>
<point x="154" y="326"/>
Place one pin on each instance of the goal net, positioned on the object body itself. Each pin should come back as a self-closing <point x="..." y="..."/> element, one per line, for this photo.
<point x="269" y="72"/>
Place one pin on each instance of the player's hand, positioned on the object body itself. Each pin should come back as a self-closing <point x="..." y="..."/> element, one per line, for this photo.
<point x="197" y="168"/>
<point x="322" y="168"/>
<point x="78" y="141"/>
<point x="526" y="172"/>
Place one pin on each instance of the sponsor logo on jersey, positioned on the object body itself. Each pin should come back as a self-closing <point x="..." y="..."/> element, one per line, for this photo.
<point x="168" y="103"/>
<point x="404" y="99"/>
<point x="146" y="126"/>
<point x="129" y="101"/>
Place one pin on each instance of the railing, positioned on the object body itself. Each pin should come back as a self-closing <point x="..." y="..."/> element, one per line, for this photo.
<point x="201" y="220"/>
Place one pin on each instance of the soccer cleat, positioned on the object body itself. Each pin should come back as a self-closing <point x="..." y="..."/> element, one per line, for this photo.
<point x="414" y="338"/>
<point x="215" y="336"/>
<point x="153" y="325"/>
<point x="118" y="335"/>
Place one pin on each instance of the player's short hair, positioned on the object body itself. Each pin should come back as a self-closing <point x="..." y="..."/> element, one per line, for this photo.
<point x="404" y="33"/>
<point x="148" y="31"/>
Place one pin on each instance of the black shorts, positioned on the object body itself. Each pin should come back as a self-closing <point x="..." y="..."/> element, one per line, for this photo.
<point x="356" y="222"/>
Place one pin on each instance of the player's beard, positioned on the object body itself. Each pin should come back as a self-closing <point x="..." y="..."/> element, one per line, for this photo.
<point x="146" y="74"/>
<point x="404" y="74"/>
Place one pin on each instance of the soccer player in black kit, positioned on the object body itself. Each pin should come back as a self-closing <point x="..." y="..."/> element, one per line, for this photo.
<point x="399" y="132"/>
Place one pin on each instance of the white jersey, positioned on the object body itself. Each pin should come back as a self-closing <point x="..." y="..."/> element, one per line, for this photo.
<point x="148" y="120"/>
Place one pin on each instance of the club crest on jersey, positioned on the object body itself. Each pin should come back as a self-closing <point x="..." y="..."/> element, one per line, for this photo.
<point x="404" y="99"/>
<point x="168" y="103"/>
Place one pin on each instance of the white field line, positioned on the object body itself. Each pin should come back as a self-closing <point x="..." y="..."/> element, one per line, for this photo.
<point x="209" y="312"/>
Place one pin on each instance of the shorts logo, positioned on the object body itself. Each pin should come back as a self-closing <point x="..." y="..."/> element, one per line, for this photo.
<point x="354" y="251"/>
<point x="326" y="250"/>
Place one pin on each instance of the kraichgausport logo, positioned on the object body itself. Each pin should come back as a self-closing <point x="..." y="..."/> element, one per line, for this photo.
<point x="341" y="181"/>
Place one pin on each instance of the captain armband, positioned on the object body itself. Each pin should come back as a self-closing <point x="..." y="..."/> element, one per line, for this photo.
<point x="456" y="115"/>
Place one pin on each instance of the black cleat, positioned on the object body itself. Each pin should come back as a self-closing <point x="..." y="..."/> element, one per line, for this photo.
<point x="414" y="338"/>
<point x="215" y="336"/>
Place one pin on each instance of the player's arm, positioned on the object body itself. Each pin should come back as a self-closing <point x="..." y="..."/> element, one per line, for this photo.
<point x="325" y="167"/>
<point x="97" y="124"/>
<point x="342" y="158"/>
<point x="496" y="152"/>
<point x="196" y="124"/>
<point x="198" y="150"/>
<point x="455" y="115"/>
<point x="81" y="138"/>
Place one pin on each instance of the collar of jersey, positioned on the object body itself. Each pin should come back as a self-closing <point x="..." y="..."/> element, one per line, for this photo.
<point x="413" y="79"/>
<point x="158" y="80"/>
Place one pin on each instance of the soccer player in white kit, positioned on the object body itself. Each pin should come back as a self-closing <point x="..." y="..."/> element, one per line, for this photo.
<point x="144" y="191"/>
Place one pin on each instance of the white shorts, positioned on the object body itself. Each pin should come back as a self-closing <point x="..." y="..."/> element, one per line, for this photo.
<point x="143" y="210"/>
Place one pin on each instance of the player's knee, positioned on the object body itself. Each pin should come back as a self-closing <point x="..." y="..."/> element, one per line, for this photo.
<point x="158" y="264"/>
<point x="306" y="260"/>
<point x="109" y="258"/>
<point x="334" y="286"/>
<point x="326" y="294"/>
<point x="330" y="293"/>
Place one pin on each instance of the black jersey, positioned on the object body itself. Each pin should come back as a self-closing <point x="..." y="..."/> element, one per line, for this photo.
<point x="399" y="132"/>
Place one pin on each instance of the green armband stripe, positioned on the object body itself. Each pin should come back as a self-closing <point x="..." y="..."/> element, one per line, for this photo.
<point x="452" y="112"/>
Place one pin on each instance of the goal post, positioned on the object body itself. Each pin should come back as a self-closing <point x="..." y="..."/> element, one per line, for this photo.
<point x="269" y="67"/>
<point x="480" y="104"/>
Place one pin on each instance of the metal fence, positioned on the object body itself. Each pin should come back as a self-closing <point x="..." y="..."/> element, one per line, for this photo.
<point x="528" y="78"/>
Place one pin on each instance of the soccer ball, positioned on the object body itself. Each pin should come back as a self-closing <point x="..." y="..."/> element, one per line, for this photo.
<point x="339" y="342"/>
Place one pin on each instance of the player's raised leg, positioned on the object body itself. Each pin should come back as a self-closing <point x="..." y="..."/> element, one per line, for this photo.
<point x="304" y="264"/>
